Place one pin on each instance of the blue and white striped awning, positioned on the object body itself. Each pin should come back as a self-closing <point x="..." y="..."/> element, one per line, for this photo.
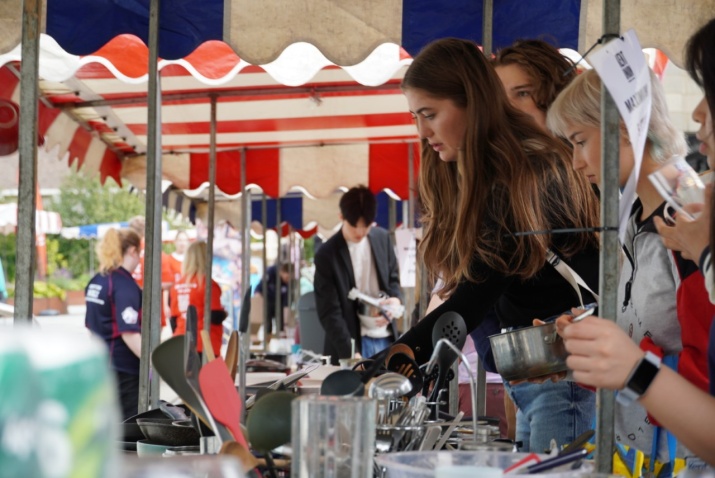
<point x="91" y="231"/>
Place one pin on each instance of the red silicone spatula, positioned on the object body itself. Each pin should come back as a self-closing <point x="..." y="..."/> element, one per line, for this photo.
<point x="222" y="398"/>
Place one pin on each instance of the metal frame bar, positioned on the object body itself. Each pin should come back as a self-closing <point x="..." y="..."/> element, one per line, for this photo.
<point x="610" y="246"/>
<point x="245" y="338"/>
<point x="264" y="257"/>
<point x="211" y="224"/>
<point x="228" y="93"/>
<point x="27" y="187"/>
<point x="152" y="294"/>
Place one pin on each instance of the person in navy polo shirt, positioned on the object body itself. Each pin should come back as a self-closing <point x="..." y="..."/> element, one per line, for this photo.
<point x="114" y="306"/>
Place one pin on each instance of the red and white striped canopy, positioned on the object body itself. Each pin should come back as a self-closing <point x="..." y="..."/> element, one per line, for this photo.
<point x="46" y="222"/>
<point x="303" y="122"/>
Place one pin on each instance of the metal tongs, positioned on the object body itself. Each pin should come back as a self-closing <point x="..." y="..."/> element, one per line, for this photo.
<point x="395" y="310"/>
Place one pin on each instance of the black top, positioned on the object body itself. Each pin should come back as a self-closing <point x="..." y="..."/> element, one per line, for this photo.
<point x="114" y="306"/>
<point x="517" y="302"/>
<point x="271" y="295"/>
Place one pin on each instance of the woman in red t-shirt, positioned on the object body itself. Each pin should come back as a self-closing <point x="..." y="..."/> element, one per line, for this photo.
<point x="190" y="290"/>
<point x="173" y="264"/>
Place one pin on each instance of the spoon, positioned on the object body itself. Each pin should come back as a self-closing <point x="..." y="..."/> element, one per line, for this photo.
<point x="389" y="385"/>
<point x="386" y="387"/>
<point x="399" y="348"/>
<point x="405" y="365"/>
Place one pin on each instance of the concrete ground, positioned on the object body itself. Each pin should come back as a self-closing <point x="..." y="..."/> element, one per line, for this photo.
<point x="73" y="324"/>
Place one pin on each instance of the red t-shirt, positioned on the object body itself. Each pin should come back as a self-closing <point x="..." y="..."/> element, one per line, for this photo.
<point x="191" y="292"/>
<point x="167" y="277"/>
<point x="174" y="265"/>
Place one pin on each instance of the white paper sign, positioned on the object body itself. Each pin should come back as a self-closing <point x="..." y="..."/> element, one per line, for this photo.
<point x="406" y="256"/>
<point x="624" y="70"/>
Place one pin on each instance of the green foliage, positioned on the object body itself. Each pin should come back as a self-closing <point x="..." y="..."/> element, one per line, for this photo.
<point x="77" y="254"/>
<point x="44" y="290"/>
<point x="309" y="249"/>
<point x="84" y="200"/>
<point x="55" y="259"/>
<point x="75" y="283"/>
<point x="7" y="255"/>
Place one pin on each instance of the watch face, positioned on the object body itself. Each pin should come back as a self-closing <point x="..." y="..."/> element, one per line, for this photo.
<point x="643" y="376"/>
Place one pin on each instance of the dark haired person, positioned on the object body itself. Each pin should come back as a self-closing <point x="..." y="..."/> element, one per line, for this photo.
<point x="285" y="274"/>
<point x="360" y="255"/>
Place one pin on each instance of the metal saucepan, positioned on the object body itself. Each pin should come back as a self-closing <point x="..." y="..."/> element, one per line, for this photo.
<point x="531" y="352"/>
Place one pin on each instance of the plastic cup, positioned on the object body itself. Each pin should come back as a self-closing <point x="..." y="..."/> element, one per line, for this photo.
<point x="333" y="437"/>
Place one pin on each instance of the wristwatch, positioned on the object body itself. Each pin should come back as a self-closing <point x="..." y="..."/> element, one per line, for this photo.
<point x="639" y="379"/>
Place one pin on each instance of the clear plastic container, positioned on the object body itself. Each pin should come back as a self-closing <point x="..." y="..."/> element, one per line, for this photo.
<point x="199" y="466"/>
<point x="333" y="437"/>
<point x="423" y="464"/>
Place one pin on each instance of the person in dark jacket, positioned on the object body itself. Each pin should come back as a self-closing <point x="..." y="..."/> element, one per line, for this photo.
<point x="359" y="256"/>
<point x="285" y="273"/>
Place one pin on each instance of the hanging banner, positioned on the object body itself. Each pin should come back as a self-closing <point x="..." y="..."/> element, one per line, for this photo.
<point x="624" y="70"/>
<point x="406" y="245"/>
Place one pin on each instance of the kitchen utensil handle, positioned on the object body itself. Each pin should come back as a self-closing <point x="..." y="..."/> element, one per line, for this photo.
<point x="558" y="460"/>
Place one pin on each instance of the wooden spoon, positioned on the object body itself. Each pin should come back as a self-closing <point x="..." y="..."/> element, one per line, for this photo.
<point x="399" y="349"/>
<point x="249" y="461"/>
<point x="232" y="355"/>
<point x="208" y="348"/>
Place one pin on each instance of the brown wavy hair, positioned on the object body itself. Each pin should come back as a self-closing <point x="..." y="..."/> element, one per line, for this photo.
<point x="543" y="63"/>
<point x="510" y="176"/>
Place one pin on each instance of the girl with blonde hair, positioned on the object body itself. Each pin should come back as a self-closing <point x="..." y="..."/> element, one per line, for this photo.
<point x="660" y="293"/>
<point x="493" y="186"/>
<point x="114" y="307"/>
<point x="190" y="290"/>
<point x="604" y="355"/>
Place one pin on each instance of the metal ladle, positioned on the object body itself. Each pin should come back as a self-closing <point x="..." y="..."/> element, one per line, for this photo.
<point x="386" y="387"/>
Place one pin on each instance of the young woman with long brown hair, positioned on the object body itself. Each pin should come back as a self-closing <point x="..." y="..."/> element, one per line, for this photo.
<point x="493" y="184"/>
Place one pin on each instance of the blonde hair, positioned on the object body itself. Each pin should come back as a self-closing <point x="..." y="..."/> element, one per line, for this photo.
<point x="113" y="246"/>
<point x="580" y="103"/>
<point x="138" y="225"/>
<point x="510" y="176"/>
<point x="194" y="265"/>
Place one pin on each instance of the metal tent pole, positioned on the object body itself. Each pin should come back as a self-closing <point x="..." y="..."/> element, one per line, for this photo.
<point x="208" y="273"/>
<point x="610" y="247"/>
<point x="392" y="219"/>
<point x="245" y="337"/>
<point x="487" y="33"/>
<point x="264" y="277"/>
<point x="151" y="305"/>
<point x="279" y="261"/>
<point x="487" y="27"/>
<point x="26" y="200"/>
